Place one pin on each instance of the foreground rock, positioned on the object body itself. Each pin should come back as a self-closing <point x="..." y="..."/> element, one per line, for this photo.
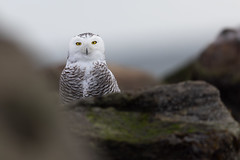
<point x="183" y="121"/>
<point x="219" y="65"/>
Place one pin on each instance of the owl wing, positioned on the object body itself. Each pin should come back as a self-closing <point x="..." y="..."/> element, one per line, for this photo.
<point x="102" y="81"/>
<point x="70" y="85"/>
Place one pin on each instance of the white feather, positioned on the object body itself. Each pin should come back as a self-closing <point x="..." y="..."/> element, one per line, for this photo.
<point x="87" y="60"/>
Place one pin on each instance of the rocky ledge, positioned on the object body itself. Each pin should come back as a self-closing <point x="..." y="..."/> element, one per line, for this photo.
<point x="183" y="121"/>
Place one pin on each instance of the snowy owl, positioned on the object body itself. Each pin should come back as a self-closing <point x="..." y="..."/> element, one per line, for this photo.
<point x="86" y="73"/>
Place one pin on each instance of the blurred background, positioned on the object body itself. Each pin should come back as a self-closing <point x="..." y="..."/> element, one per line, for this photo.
<point x="154" y="36"/>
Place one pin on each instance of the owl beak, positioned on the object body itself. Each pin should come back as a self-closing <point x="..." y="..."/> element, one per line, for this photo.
<point x="86" y="51"/>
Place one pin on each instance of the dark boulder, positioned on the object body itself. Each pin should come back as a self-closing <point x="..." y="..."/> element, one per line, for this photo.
<point x="183" y="121"/>
<point x="219" y="65"/>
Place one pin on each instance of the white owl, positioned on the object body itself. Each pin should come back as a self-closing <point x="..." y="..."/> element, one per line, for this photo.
<point x="86" y="73"/>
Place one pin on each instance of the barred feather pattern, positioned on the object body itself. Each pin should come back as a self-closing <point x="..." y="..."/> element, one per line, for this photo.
<point x="79" y="81"/>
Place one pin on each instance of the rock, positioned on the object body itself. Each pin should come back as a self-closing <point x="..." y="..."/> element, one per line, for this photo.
<point x="128" y="78"/>
<point x="29" y="120"/>
<point x="219" y="65"/>
<point x="185" y="121"/>
<point x="132" y="79"/>
<point x="228" y="34"/>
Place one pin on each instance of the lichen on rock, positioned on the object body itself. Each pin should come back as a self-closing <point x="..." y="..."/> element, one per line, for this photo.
<point x="180" y="121"/>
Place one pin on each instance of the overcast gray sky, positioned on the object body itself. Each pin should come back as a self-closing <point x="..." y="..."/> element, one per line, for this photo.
<point x="130" y="28"/>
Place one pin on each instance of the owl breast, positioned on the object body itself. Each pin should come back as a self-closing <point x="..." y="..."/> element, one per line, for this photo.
<point x="94" y="79"/>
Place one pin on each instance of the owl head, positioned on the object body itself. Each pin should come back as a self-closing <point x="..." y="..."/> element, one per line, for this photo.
<point x="86" y="47"/>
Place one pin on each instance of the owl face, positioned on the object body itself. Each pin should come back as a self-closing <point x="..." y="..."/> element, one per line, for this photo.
<point x="86" y="47"/>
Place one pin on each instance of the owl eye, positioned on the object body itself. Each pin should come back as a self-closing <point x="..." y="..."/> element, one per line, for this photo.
<point x="94" y="42"/>
<point x="78" y="43"/>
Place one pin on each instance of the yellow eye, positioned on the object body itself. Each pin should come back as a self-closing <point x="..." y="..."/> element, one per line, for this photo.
<point x="78" y="43"/>
<point x="94" y="42"/>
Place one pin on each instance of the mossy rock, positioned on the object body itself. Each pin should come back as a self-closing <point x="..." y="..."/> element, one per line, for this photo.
<point x="180" y="121"/>
<point x="133" y="127"/>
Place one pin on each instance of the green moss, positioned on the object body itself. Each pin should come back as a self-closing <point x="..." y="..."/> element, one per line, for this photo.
<point x="133" y="127"/>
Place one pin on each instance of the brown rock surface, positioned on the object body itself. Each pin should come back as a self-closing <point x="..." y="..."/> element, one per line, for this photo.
<point x="132" y="79"/>
<point x="224" y="57"/>
<point x="218" y="64"/>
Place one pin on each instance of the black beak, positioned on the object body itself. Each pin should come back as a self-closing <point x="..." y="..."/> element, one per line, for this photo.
<point x="86" y="51"/>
